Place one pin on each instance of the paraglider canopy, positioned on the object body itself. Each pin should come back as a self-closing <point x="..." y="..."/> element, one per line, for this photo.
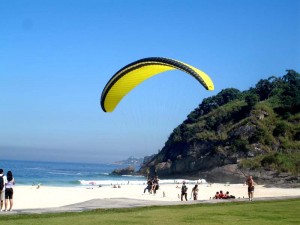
<point x="135" y="73"/>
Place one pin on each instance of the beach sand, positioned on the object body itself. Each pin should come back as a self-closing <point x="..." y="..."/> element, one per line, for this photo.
<point x="29" y="197"/>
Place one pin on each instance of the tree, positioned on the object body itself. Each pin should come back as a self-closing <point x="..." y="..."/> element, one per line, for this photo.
<point x="227" y="95"/>
<point x="251" y="100"/>
<point x="264" y="88"/>
<point x="291" y="94"/>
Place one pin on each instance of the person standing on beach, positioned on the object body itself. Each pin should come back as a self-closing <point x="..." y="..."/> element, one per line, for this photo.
<point x="184" y="191"/>
<point x="3" y="181"/>
<point x="195" y="192"/>
<point x="9" y="191"/>
<point x="250" y="182"/>
<point x="155" y="184"/>
<point x="149" y="186"/>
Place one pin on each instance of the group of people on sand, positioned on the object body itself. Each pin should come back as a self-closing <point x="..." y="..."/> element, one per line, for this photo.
<point x="184" y="190"/>
<point x="249" y="182"/>
<point x="221" y="195"/>
<point x="152" y="185"/>
<point x="6" y="190"/>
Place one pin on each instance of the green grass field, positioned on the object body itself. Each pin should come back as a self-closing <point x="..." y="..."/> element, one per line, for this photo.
<point x="254" y="213"/>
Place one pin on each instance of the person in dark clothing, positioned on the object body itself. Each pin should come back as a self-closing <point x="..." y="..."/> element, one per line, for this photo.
<point x="184" y="191"/>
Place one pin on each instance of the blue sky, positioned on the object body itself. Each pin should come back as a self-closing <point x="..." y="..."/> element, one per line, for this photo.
<point x="57" y="55"/>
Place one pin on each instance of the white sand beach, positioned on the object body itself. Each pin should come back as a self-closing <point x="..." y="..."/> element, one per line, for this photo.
<point x="29" y="197"/>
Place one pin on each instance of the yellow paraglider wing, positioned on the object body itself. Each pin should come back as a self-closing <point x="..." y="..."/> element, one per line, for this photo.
<point x="135" y="73"/>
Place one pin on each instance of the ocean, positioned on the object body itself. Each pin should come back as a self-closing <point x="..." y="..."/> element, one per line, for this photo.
<point x="66" y="174"/>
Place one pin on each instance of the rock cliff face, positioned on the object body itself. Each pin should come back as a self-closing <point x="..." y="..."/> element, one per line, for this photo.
<point x="216" y="162"/>
<point x="210" y="158"/>
<point x="235" y="134"/>
<point x="130" y="170"/>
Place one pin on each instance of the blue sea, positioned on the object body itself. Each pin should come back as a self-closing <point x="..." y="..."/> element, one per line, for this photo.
<point x="66" y="174"/>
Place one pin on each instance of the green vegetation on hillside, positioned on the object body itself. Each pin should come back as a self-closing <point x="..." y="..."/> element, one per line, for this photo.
<point x="259" y="127"/>
<point x="280" y="162"/>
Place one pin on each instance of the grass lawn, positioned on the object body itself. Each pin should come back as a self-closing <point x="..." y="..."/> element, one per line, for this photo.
<point x="262" y="212"/>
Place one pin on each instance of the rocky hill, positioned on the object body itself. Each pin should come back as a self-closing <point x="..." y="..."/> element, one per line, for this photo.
<point x="131" y="161"/>
<point x="237" y="133"/>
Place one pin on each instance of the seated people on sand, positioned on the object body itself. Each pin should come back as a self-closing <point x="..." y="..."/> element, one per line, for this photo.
<point x="228" y="196"/>
<point x="221" y="195"/>
<point x="217" y="195"/>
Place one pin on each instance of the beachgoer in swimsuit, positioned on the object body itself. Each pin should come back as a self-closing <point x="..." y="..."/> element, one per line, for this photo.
<point x="221" y="195"/>
<point x="155" y="184"/>
<point x="195" y="192"/>
<point x="250" y="184"/>
<point x="217" y="195"/>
